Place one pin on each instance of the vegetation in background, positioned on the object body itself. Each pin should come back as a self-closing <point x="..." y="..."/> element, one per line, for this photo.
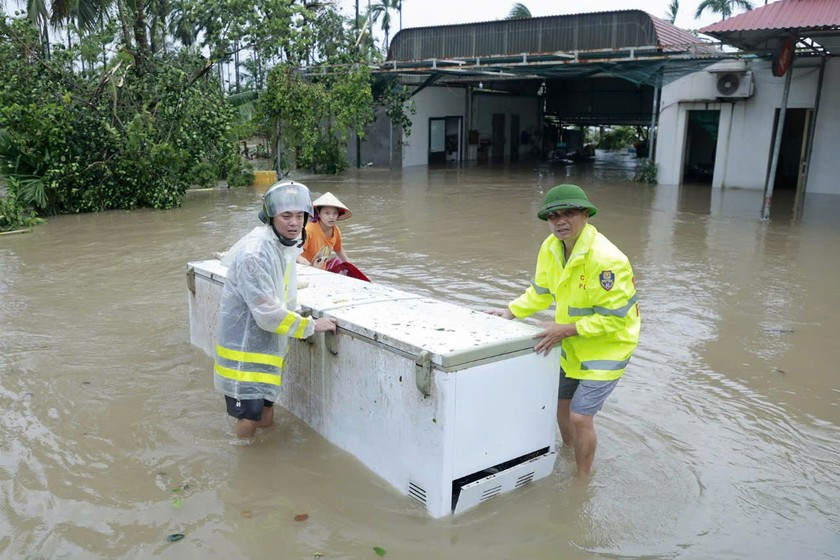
<point x="673" y="8"/>
<point x="620" y="137"/>
<point x="724" y="8"/>
<point x="519" y="11"/>
<point x="128" y="104"/>
<point x="647" y="171"/>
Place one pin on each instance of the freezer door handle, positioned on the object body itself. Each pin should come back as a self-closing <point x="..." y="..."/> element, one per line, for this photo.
<point x="331" y="342"/>
<point x="423" y="372"/>
<point x="191" y="279"/>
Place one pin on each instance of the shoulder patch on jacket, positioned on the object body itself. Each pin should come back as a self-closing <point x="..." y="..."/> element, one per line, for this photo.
<point x="607" y="279"/>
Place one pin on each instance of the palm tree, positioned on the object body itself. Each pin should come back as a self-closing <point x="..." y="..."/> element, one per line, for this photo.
<point x="37" y="11"/>
<point x="519" y="11"/>
<point x="671" y="16"/>
<point x="383" y="8"/>
<point x="722" y="7"/>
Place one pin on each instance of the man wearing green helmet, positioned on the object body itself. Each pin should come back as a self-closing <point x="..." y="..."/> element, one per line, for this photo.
<point x="597" y="318"/>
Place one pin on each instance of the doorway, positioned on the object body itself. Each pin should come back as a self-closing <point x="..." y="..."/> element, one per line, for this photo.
<point x="790" y="167"/>
<point x="445" y="139"/>
<point x="700" y="146"/>
<point x="497" y="136"/>
<point x="514" y="138"/>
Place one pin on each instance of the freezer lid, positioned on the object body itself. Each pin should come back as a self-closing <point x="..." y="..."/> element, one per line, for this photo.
<point x="317" y="289"/>
<point x="454" y="336"/>
<point x="326" y="291"/>
<point x="210" y="269"/>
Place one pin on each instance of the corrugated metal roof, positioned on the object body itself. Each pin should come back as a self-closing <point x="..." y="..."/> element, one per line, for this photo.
<point x="784" y="14"/>
<point x="616" y="30"/>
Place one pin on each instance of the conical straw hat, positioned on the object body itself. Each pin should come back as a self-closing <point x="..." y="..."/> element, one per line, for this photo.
<point x="329" y="199"/>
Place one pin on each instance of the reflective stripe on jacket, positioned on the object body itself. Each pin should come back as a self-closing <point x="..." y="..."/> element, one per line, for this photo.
<point x="256" y="317"/>
<point x="595" y="290"/>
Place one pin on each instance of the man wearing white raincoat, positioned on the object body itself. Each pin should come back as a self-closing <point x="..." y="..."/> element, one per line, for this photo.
<point x="257" y="308"/>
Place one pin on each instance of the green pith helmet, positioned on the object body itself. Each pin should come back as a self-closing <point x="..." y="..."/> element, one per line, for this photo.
<point x="565" y="196"/>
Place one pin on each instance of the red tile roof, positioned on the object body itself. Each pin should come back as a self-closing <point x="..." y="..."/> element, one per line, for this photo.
<point x="784" y="14"/>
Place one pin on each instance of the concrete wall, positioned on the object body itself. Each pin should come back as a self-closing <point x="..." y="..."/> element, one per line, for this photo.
<point x="375" y="149"/>
<point x="438" y="102"/>
<point x="746" y="125"/>
<point x="430" y="103"/>
<point x="825" y="165"/>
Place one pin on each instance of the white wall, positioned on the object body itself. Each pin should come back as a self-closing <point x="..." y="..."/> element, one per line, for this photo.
<point x="438" y="102"/>
<point x="824" y="174"/>
<point x="431" y="102"/>
<point x="746" y="125"/>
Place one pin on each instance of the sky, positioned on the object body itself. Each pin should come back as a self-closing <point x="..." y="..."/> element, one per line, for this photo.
<point x="424" y="13"/>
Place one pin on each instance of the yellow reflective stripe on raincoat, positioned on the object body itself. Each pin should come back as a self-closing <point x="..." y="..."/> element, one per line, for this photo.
<point x="606" y="314"/>
<point x="620" y="312"/>
<point x="289" y="321"/>
<point x="304" y="322"/>
<point x="248" y="376"/>
<point x="286" y="324"/>
<point x="254" y="357"/>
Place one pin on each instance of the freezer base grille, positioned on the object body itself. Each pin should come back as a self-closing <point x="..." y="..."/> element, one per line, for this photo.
<point x="417" y="492"/>
<point x="522" y="479"/>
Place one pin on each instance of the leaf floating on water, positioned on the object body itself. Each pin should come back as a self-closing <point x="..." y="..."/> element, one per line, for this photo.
<point x="379" y="550"/>
<point x="176" y="502"/>
<point x="246" y="514"/>
<point x="174" y="537"/>
<point x="301" y="517"/>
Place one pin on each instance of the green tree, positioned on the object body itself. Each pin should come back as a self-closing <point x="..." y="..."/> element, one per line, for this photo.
<point x="382" y="9"/>
<point x="673" y="8"/>
<point x="723" y="7"/>
<point x="312" y="117"/>
<point x="75" y="143"/>
<point x="519" y="11"/>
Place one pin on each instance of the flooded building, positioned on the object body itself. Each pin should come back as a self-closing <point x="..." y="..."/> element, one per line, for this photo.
<point x="511" y="89"/>
<point x="770" y="112"/>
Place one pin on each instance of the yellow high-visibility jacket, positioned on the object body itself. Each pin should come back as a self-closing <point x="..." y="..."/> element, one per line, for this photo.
<point x="257" y="316"/>
<point x="596" y="290"/>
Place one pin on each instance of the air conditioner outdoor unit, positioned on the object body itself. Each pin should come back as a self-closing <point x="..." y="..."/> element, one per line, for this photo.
<point x="735" y="84"/>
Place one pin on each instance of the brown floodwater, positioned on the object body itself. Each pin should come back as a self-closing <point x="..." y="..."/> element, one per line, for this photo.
<point x="721" y="441"/>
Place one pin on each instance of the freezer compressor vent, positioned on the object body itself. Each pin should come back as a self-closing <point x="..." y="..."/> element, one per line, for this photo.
<point x="524" y="479"/>
<point x="417" y="492"/>
<point x="490" y="493"/>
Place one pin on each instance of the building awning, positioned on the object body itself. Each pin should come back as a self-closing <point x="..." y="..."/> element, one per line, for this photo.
<point x="627" y="44"/>
<point x="816" y="24"/>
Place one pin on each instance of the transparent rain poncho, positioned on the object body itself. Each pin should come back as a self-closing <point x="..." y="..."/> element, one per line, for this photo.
<point x="257" y="315"/>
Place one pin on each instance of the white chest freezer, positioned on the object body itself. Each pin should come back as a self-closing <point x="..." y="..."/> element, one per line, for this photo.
<point x="451" y="406"/>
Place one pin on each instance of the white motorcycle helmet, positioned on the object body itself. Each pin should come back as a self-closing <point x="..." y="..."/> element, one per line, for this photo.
<point x="286" y="196"/>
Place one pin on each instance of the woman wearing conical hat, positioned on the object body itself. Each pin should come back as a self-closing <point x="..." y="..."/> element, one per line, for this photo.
<point x="323" y="238"/>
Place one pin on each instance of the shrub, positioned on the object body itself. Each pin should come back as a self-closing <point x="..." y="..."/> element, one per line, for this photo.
<point x="647" y="171"/>
<point x="14" y="216"/>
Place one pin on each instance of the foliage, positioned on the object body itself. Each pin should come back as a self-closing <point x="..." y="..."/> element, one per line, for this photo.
<point x="13" y="215"/>
<point x="647" y="172"/>
<point x="673" y="8"/>
<point x="382" y="9"/>
<point x="398" y="104"/>
<point x="123" y="139"/>
<point x="242" y="177"/>
<point x="519" y="11"/>
<point x="204" y="174"/>
<point x="617" y="138"/>
<point x="313" y="116"/>
<point x="724" y="8"/>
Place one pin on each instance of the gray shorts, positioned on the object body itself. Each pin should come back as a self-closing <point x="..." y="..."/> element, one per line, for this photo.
<point x="587" y="396"/>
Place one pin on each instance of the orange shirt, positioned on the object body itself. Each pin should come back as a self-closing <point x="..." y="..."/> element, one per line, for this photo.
<point x="319" y="245"/>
